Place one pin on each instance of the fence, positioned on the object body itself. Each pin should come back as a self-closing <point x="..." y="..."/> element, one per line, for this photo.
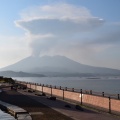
<point x="101" y="101"/>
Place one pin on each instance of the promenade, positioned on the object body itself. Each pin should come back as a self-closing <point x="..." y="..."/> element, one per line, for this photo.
<point x="40" y="107"/>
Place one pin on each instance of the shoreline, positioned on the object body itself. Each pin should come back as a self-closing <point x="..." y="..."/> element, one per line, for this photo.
<point x="96" y="85"/>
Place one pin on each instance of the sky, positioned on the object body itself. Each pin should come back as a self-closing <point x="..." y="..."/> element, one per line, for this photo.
<point x="87" y="31"/>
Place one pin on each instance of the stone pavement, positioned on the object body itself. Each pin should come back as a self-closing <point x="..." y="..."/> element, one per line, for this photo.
<point x="59" y="105"/>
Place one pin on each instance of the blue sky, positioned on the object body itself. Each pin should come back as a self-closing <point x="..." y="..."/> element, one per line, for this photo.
<point x="87" y="31"/>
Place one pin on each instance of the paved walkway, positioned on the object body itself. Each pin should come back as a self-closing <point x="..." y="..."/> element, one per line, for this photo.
<point x="59" y="106"/>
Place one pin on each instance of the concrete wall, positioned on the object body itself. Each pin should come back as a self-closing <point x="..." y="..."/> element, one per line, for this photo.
<point x="47" y="90"/>
<point x="98" y="102"/>
<point x="28" y="85"/>
<point x="115" y="106"/>
<point x="33" y="86"/>
<point x="72" y="96"/>
<point x="57" y="92"/>
<point x="39" y="88"/>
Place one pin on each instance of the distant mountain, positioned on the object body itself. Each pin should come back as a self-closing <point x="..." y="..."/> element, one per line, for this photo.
<point x="19" y="74"/>
<point x="56" y="65"/>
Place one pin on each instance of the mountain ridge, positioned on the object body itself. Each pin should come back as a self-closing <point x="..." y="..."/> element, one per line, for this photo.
<point x="19" y="74"/>
<point x="58" y="64"/>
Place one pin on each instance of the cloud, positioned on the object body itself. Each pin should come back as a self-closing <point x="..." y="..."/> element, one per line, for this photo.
<point x="41" y="43"/>
<point x="58" y="26"/>
<point x="109" y="35"/>
<point x="72" y="31"/>
<point x="58" y="11"/>
<point x="50" y="27"/>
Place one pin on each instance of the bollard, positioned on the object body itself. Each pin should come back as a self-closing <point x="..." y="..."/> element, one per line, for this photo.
<point x="55" y="87"/>
<point x="60" y="87"/>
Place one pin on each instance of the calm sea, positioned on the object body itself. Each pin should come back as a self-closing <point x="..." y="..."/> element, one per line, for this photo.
<point x="102" y="84"/>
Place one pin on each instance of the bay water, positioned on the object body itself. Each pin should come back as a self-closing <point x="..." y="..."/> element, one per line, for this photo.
<point x="110" y="85"/>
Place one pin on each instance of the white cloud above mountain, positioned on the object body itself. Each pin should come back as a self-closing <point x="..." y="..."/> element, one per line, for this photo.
<point x="68" y="30"/>
<point x="63" y="21"/>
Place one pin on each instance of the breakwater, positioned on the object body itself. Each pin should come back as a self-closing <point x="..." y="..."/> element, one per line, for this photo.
<point x="101" y="101"/>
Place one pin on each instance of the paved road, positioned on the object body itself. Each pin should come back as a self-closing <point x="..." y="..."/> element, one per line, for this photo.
<point x="59" y="106"/>
<point x="37" y="110"/>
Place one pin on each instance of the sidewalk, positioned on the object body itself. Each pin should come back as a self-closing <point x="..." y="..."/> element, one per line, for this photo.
<point x="59" y="106"/>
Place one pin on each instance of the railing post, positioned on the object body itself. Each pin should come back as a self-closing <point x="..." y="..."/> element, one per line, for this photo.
<point x="103" y="94"/>
<point x="51" y="90"/>
<point x="81" y="95"/>
<point x="72" y="89"/>
<point x="109" y="104"/>
<point x="118" y="96"/>
<point x="42" y="88"/>
<point x="35" y="86"/>
<point x="30" y="85"/>
<point x="91" y="92"/>
<point x="66" y="88"/>
<point x="63" y="94"/>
